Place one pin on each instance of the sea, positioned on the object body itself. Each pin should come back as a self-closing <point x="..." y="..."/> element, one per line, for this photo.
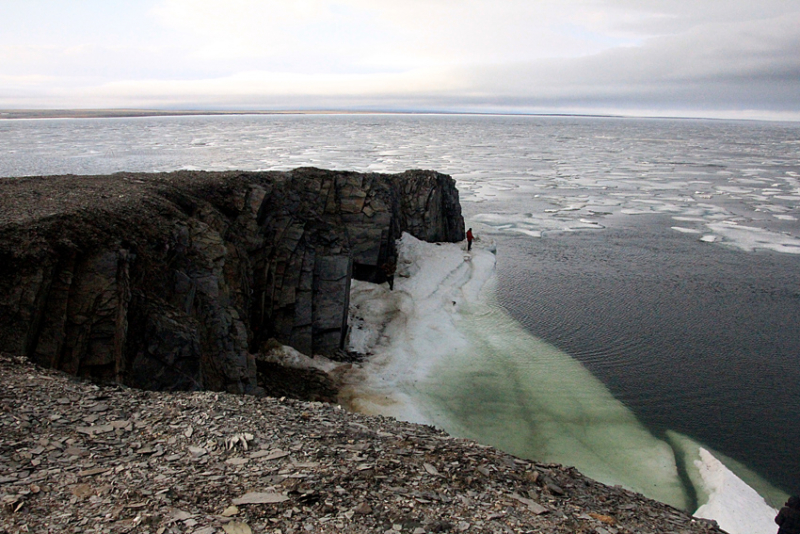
<point x="661" y="255"/>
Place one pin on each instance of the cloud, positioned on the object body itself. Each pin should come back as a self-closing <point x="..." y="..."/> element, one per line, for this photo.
<point x="396" y="34"/>
<point x="720" y="66"/>
<point x="415" y="33"/>
<point x="298" y="31"/>
<point x="642" y="56"/>
<point x="268" y="90"/>
<point x="657" y="17"/>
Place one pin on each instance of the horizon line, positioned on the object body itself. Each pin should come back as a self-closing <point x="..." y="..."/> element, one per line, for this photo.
<point x="110" y="113"/>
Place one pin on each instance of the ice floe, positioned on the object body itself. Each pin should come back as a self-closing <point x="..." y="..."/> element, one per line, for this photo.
<point x="750" y="238"/>
<point x="683" y="230"/>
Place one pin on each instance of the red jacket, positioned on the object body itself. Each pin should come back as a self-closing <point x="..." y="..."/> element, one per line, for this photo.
<point x="470" y="237"/>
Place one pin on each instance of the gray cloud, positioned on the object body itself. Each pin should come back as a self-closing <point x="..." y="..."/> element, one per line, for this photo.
<point x="754" y="65"/>
<point x="676" y="16"/>
<point x="709" y="57"/>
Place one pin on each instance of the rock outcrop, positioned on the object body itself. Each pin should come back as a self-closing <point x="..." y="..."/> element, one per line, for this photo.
<point x="175" y="281"/>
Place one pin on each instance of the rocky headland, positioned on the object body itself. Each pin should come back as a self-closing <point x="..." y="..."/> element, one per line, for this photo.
<point x="112" y="287"/>
<point x="178" y="281"/>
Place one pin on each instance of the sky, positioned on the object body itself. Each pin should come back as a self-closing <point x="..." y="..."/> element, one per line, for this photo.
<point x="714" y="58"/>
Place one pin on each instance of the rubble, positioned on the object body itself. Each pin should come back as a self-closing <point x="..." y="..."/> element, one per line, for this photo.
<point x="78" y="457"/>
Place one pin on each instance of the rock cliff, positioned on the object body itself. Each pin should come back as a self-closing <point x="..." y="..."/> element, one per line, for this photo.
<point x="175" y="281"/>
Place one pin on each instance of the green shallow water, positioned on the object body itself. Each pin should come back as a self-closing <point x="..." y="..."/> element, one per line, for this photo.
<point x="520" y="394"/>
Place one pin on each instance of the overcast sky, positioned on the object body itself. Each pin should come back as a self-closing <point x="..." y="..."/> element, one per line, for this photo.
<point x="719" y="58"/>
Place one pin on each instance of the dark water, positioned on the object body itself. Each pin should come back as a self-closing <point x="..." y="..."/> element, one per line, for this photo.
<point x="691" y="336"/>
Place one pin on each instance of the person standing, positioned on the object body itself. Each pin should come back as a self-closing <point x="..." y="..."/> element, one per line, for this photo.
<point x="788" y="519"/>
<point x="470" y="237"/>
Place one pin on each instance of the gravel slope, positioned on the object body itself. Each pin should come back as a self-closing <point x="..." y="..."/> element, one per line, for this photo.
<point x="77" y="457"/>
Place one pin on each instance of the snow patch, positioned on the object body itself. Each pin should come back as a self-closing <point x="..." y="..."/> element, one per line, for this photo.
<point x="732" y="503"/>
<point x="287" y="356"/>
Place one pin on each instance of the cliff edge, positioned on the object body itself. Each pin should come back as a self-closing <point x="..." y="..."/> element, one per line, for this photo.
<point x="175" y="281"/>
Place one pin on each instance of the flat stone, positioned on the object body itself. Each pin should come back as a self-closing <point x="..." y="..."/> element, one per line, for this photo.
<point x="197" y="451"/>
<point x="95" y="471"/>
<point x="269" y="455"/>
<point x="260" y="498"/>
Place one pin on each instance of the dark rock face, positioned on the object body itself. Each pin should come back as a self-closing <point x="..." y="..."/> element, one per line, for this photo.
<point x="174" y="281"/>
<point x="320" y="228"/>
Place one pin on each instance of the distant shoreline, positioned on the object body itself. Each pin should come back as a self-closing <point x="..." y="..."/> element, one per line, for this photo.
<point x="132" y="113"/>
<point x="126" y="113"/>
<point x="29" y="114"/>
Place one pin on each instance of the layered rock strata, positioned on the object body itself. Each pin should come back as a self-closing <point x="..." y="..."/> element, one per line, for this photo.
<point x="174" y="281"/>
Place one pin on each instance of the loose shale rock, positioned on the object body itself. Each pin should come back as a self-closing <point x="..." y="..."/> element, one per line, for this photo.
<point x="77" y="457"/>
